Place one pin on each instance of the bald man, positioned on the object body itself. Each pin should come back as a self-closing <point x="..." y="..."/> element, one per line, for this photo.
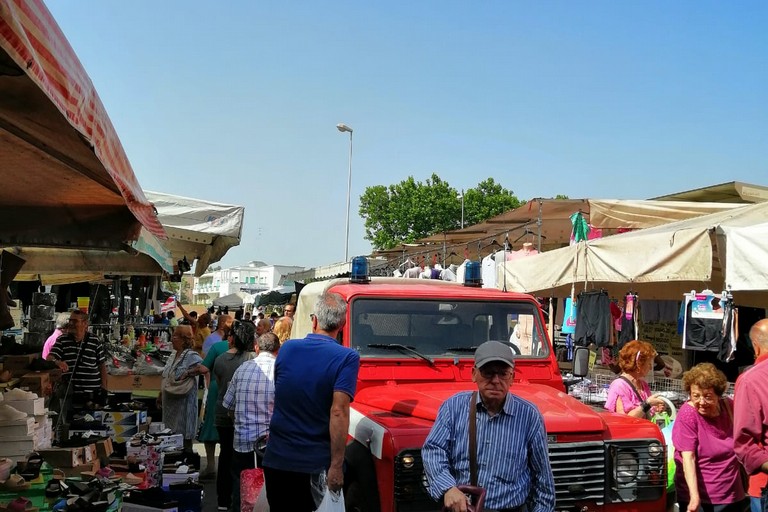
<point x="750" y="418"/>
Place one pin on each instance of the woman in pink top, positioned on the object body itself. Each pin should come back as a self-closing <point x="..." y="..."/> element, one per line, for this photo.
<point x="708" y="475"/>
<point x="62" y="319"/>
<point x="630" y="394"/>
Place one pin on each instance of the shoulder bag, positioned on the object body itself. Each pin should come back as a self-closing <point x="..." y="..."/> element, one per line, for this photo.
<point x="179" y="387"/>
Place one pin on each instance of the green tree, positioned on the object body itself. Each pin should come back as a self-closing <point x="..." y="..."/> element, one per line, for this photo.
<point x="181" y="290"/>
<point x="410" y="210"/>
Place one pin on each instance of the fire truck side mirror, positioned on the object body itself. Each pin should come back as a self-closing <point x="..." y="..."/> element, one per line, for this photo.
<point x="580" y="362"/>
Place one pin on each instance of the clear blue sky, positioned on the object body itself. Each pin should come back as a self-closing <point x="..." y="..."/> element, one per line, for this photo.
<point x="238" y="101"/>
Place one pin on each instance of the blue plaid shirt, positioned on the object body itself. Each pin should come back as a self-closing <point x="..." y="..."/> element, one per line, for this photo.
<point x="251" y="394"/>
<point x="512" y="455"/>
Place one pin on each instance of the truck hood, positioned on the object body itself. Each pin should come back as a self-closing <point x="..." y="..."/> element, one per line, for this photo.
<point x="562" y="413"/>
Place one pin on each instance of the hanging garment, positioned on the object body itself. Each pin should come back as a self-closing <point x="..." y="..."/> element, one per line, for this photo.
<point x="593" y="323"/>
<point x="628" y="320"/>
<point x="569" y="317"/>
<point x="488" y="271"/>
<point x="708" y="328"/>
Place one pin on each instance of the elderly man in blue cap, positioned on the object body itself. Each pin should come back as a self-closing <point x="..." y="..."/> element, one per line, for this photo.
<point x="511" y="459"/>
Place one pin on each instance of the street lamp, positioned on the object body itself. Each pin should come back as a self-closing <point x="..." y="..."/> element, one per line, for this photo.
<point x="344" y="128"/>
<point x="461" y="196"/>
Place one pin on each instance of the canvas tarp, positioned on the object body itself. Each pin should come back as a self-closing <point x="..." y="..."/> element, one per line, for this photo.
<point x="234" y="300"/>
<point x="662" y="261"/>
<point x="550" y="218"/>
<point x="196" y="229"/>
<point x="200" y="230"/>
<point x="67" y="181"/>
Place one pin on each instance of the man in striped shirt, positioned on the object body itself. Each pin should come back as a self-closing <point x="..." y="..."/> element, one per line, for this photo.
<point x="512" y="456"/>
<point x="81" y="356"/>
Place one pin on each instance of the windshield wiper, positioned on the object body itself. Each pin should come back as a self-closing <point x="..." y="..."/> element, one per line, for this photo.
<point x="402" y="348"/>
<point x="461" y="349"/>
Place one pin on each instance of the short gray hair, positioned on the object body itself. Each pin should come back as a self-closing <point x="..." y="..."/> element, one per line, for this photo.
<point x="268" y="342"/>
<point x="62" y="319"/>
<point x="331" y="311"/>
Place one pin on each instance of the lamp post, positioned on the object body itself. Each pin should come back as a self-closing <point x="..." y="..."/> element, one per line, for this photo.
<point x="461" y="196"/>
<point x="344" y="128"/>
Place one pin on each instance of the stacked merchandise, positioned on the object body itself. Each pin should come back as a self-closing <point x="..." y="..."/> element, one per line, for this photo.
<point x="41" y="320"/>
<point x="24" y="424"/>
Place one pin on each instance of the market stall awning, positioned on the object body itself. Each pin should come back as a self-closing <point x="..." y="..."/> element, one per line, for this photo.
<point x="234" y="300"/>
<point x="66" y="179"/>
<point x="198" y="229"/>
<point x="723" y="249"/>
<point x="334" y="270"/>
<point x="546" y="223"/>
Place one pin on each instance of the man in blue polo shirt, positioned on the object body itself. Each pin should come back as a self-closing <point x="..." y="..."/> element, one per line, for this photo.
<point x="315" y="381"/>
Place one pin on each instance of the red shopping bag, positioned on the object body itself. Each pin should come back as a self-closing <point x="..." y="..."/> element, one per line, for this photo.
<point x="251" y="482"/>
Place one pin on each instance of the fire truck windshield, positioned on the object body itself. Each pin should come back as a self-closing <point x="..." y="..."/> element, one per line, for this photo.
<point x="444" y="328"/>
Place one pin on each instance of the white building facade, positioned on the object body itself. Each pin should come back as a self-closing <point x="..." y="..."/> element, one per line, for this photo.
<point x="254" y="277"/>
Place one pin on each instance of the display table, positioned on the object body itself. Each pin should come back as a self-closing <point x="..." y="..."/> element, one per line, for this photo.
<point x="132" y="383"/>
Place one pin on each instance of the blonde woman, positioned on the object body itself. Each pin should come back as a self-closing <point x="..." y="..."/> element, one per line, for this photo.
<point x="283" y="328"/>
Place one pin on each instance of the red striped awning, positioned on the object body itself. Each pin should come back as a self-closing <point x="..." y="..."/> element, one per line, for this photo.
<point x="34" y="42"/>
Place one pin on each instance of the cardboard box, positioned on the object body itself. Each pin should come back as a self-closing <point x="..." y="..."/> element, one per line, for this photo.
<point x="172" y="442"/>
<point x="126" y="418"/>
<point x="140" y="452"/>
<point x="122" y="433"/>
<point x="64" y="457"/>
<point x="18" y="365"/>
<point x="31" y="407"/>
<point x="40" y="382"/>
<point x="17" y="446"/>
<point x="79" y="469"/>
<point x="104" y="448"/>
<point x="173" y="478"/>
<point x="25" y="427"/>
<point x="133" y="382"/>
<point x="89" y="453"/>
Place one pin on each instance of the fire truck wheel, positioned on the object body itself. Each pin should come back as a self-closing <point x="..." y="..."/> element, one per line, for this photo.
<point x="361" y="493"/>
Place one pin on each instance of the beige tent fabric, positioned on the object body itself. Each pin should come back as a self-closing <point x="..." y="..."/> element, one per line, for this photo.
<point x="663" y="261"/>
<point x="622" y="213"/>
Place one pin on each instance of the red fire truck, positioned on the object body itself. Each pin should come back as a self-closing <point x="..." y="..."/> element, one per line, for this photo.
<point x="416" y="340"/>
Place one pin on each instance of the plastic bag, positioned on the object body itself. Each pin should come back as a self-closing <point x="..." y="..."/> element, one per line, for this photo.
<point x="251" y="484"/>
<point x="262" y="505"/>
<point x="332" y="501"/>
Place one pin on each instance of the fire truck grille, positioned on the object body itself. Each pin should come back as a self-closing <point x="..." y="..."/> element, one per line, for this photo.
<point x="579" y="471"/>
<point x="410" y="493"/>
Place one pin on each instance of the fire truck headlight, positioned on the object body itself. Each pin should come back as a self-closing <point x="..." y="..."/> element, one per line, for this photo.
<point x="625" y="468"/>
<point x="655" y="450"/>
<point x="408" y="461"/>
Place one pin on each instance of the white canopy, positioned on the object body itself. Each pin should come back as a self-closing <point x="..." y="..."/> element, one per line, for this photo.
<point x="234" y="300"/>
<point x="198" y="229"/>
<point x="728" y="248"/>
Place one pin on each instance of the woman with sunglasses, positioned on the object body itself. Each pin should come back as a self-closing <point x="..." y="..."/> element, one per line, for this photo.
<point x="708" y="476"/>
<point x="630" y="393"/>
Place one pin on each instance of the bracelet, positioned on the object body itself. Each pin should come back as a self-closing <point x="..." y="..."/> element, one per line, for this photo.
<point x="646" y="406"/>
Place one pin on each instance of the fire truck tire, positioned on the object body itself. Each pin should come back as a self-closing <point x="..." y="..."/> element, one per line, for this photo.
<point x="361" y="493"/>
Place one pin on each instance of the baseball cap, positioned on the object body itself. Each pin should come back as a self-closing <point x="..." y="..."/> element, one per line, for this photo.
<point x="493" y="351"/>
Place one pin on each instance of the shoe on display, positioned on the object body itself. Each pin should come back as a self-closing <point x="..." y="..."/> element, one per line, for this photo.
<point x="17" y="394"/>
<point x="8" y="413"/>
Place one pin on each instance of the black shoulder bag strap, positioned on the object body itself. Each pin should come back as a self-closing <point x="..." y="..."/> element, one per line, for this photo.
<point x="637" y="393"/>
<point x="473" y="439"/>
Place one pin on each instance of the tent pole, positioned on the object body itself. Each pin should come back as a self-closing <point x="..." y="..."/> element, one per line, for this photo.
<point x="538" y="225"/>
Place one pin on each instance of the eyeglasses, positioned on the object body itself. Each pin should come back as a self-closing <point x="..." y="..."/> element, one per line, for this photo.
<point x="312" y="317"/>
<point x="707" y="399"/>
<point x="489" y="373"/>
